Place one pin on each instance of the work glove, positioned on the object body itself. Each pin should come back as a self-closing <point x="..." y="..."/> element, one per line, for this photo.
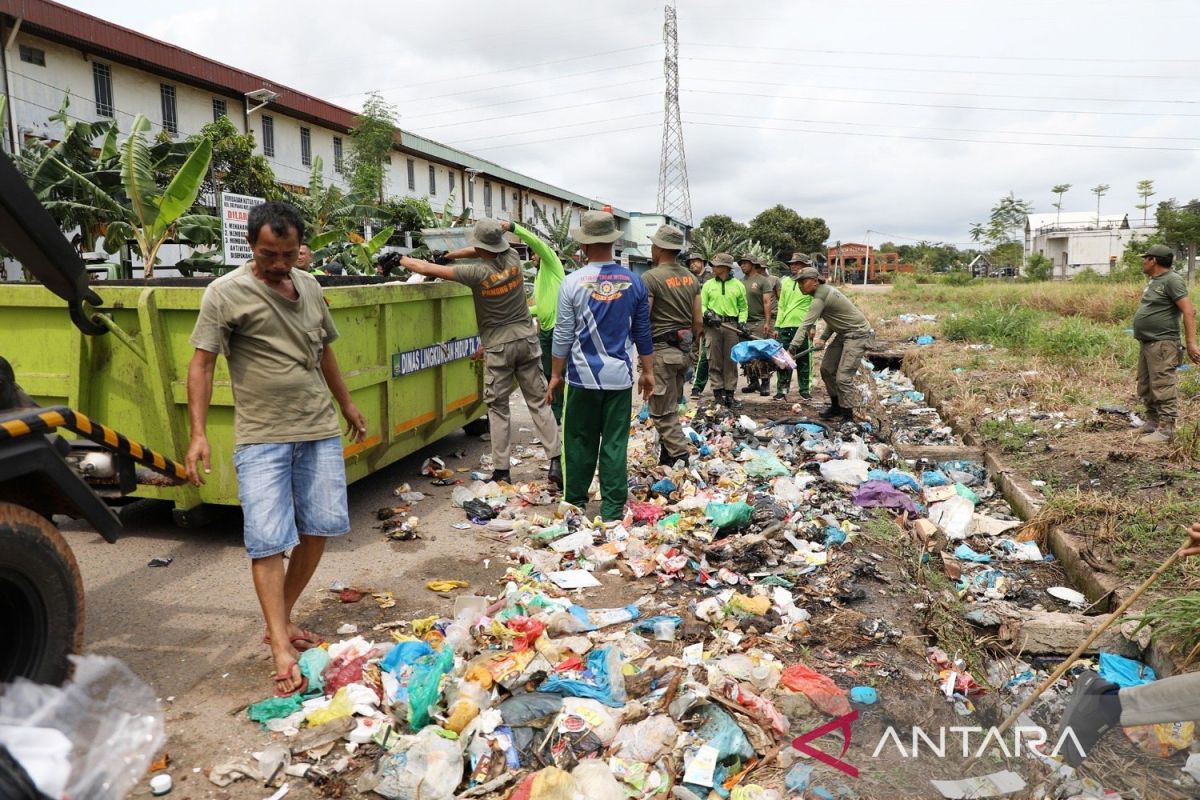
<point x="743" y="330"/>
<point x="711" y="320"/>
<point x="439" y="257"/>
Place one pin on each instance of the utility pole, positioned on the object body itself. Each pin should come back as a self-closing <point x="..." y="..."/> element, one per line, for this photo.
<point x="674" y="199"/>
<point x="867" y="261"/>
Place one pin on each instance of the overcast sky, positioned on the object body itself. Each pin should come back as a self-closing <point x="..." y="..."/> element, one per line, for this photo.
<point x="908" y="118"/>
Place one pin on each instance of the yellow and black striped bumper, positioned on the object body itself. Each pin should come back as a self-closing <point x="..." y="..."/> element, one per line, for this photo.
<point x="44" y="420"/>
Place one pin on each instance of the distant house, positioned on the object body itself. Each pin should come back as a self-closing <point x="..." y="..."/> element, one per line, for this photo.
<point x="1078" y="240"/>
<point x="981" y="266"/>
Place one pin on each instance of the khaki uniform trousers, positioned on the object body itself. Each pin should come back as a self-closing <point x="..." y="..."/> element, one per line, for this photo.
<point x="670" y="375"/>
<point x="518" y="361"/>
<point x="1157" y="381"/>
<point x="840" y="364"/>
<point x="722" y="369"/>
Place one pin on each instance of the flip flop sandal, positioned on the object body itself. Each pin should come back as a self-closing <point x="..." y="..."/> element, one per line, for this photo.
<point x="283" y="676"/>
<point x="312" y="639"/>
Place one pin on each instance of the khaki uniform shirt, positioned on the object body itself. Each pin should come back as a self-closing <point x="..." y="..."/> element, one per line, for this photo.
<point x="1157" y="318"/>
<point x="757" y="287"/>
<point x="840" y="315"/>
<point x="673" y="290"/>
<point x="501" y="308"/>
<point x="273" y="347"/>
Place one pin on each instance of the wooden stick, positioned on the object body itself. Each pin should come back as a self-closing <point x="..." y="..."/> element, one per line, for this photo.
<point x="1071" y="659"/>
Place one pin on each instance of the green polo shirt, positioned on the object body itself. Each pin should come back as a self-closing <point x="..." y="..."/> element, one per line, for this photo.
<point x="549" y="277"/>
<point x="724" y="297"/>
<point x="1157" y="318"/>
<point x="793" y="304"/>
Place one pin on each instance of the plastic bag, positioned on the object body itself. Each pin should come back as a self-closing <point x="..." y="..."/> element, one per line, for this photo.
<point x="851" y="471"/>
<point x="755" y="350"/>
<point x="766" y="465"/>
<point x="820" y="690"/>
<point x="953" y="516"/>
<point x="647" y="740"/>
<point x="607" y="683"/>
<point x="882" y="494"/>
<point x="423" y="685"/>
<point x="553" y="783"/>
<point x="595" y="781"/>
<point x="110" y="717"/>
<point x="1125" y="672"/>
<point x="339" y="706"/>
<point x="312" y="663"/>
<point x="729" y="516"/>
<point x="404" y="654"/>
<point x="721" y="732"/>
<point x="421" y="767"/>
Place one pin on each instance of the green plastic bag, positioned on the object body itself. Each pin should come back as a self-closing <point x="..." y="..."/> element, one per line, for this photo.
<point x="766" y="464"/>
<point x="728" y="516"/>
<point x="424" y="686"/>
<point x="963" y="491"/>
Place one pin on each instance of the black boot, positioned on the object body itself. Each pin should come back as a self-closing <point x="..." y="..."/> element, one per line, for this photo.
<point x="764" y="387"/>
<point x="731" y="401"/>
<point x="665" y="459"/>
<point x="835" y="411"/>
<point x="555" y="473"/>
<point x="750" y="387"/>
<point x="499" y="475"/>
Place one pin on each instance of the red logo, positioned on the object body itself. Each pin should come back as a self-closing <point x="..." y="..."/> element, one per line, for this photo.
<point x="843" y="723"/>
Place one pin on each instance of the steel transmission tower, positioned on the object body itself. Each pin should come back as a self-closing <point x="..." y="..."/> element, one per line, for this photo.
<point x="673" y="195"/>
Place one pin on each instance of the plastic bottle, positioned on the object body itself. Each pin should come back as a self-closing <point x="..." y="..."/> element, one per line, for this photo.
<point x="473" y="694"/>
<point x="273" y="761"/>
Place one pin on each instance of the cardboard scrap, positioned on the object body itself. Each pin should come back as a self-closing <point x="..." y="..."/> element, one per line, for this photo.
<point x="994" y="785"/>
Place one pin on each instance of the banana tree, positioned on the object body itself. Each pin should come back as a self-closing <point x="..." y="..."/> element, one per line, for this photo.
<point x="557" y="233"/>
<point x="328" y="208"/>
<point x="709" y="243"/>
<point x="153" y="214"/>
<point x="355" y="254"/>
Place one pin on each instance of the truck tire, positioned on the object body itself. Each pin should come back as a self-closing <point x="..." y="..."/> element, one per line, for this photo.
<point x="476" y="427"/>
<point x="41" y="598"/>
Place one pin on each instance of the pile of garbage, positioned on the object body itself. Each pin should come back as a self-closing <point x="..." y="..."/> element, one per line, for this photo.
<point x="698" y="686"/>
<point x="911" y="419"/>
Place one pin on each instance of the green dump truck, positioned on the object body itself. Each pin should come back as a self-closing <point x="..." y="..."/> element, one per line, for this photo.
<point x="74" y="353"/>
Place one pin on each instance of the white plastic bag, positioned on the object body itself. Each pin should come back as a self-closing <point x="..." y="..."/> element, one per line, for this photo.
<point x="954" y="516"/>
<point x="110" y="716"/>
<point x="595" y="781"/>
<point x="851" y="471"/>
<point x="421" y="767"/>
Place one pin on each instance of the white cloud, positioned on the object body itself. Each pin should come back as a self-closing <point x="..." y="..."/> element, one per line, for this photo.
<point x="456" y="66"/>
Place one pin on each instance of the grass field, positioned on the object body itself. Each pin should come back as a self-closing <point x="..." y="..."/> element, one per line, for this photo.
<point x="1028" y="366"/>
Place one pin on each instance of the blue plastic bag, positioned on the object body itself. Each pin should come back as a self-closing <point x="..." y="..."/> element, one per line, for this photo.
<point x="755" y="350"/>
<point x="965" y="553"/>
<point x="924" y="340"/>
<point x="933" y="478"/>
<point x="425" y="685"/>
<point x="1125" y="672"/>
<point x="404" y="654"/>
<point x="593" y="682"/>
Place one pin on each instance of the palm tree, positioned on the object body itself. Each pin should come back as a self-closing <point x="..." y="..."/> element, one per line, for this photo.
<point x="1059" y="189"/>
<point x="978" y="232"/>
<point x="1145" y="190"/>
<point x="556" y="231"/>
<point x="708" y="243"/>
<point x="1099" y="190"/>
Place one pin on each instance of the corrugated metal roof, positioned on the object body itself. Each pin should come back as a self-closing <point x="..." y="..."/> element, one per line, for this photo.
<point x="428" y="147"/>
<point x="74" y="28"/>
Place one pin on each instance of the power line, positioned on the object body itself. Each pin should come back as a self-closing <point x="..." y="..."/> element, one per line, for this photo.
<point x="938" y="70"/>
<point x="492" y="72"/>
<point x="972" y="56"/>
<point x="856" y="123"/>
<point x="942" y="105"/>
<point x="492" y="137"/>
<point x="541" y="111"/>
<point x="564" y="138"/>
<point x="492" y="87"/>
<point x="466" y="109"/>
<point x="1139" y="100"/>
<point x="946" y="138"/>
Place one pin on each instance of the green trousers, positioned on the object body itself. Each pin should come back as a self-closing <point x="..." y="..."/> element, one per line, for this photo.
<point x="596" y="430"/>
<point x="546" y="340"/>
<point x="803" y="365"/>
<point x="701" y="379"/>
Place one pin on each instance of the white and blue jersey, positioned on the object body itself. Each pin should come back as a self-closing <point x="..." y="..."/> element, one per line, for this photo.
<point x="603" y="317"/>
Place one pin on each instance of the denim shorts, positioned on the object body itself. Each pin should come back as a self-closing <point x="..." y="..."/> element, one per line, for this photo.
<point x="291" y="489"/>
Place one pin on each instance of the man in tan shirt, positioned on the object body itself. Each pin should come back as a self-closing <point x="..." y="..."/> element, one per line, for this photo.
<point x="510" y="339"/>
<point x="271" y="323"/>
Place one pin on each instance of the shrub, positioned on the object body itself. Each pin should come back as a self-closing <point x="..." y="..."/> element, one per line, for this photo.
<point x="1087" y="275"/>
<point x="1004" y="326"/>
<point x="956" y="277"/>
<point x="1073" y="338"/>
<point x="1039" y="268"/>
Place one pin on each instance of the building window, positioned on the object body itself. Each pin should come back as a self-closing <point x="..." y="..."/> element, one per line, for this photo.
<point x="412" y="175"/>
<point x="503" y="200"/>
<point x="268" y="132"/>
<point x="338" y="164"/>
<point x="32" y="55"/>
<point x="450" y="176"/>
<point x="432" y="181"/>
<point x="219" y="109"/>
<point x="306" y="146"/>
<point x="170" y="115"/>
<point x="487" y="198"/>
<point x="102" y="80"/>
